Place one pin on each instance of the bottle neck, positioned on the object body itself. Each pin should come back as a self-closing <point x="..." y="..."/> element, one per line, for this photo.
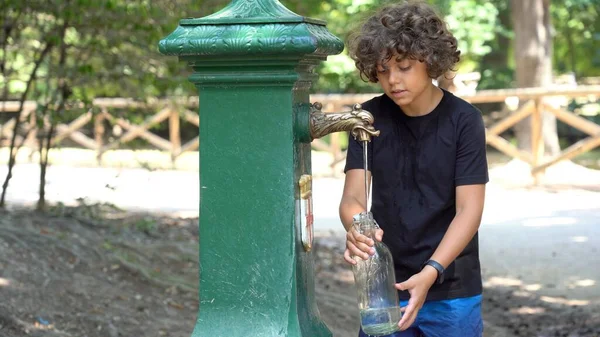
<point x="365" y="224"/>
<point x="368" y="231"/>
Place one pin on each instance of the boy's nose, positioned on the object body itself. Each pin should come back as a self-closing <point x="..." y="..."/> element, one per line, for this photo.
<point x="395" y="77"/>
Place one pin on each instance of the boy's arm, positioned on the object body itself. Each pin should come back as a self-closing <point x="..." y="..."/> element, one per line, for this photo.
<point x="353" y="202"/>
<point x="471" y="176"/>
<point x="469" y="209"/>
<point x="353" y="196"/>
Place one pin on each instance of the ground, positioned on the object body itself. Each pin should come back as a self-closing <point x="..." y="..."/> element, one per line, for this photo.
<point x="94" y="270"/>
<point x="508" y="310"/>
<point x="88" y="268"/>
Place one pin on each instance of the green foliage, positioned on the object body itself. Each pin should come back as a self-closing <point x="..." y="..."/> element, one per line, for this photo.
<point x="343" y="17"/>
<point x="577" y="39"/>
<point x="473" y="23"/>
<point x="497" y="77"/>
<point x="111" y="46"/>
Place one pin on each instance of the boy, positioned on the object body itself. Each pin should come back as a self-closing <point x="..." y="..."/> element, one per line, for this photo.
<point x="428" y="168"/>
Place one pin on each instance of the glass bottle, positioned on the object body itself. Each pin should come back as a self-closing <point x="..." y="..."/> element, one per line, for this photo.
<point x="375" y="279"/>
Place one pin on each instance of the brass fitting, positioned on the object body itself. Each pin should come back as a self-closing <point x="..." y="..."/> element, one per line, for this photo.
<point x="358" y="122"/>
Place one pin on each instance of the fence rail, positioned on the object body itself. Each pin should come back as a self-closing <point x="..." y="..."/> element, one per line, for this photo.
<point x="534" y="101"/>
<point x="173" y="111"/>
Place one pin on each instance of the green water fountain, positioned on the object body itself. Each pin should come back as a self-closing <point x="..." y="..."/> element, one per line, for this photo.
<point x="253" y="64"/>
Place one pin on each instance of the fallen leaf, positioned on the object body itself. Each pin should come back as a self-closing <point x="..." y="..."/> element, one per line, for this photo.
<point x="176" y="305"/>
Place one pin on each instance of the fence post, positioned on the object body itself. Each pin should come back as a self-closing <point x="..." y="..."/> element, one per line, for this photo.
<point x="174" y="134"/>
<point x="99" y="134"/>
<point x="537" y="139"/>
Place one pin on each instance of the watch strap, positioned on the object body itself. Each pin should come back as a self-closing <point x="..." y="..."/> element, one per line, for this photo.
<point x="438" y="267"/>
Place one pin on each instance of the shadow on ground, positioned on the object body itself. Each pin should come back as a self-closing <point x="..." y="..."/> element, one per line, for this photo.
<point x="508" y="309"/>
<point x="101" y="272"/>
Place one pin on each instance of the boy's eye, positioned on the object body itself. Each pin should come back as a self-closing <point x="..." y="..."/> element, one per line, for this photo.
<point x="381" y="70"/>
<point x="405" y="68"/>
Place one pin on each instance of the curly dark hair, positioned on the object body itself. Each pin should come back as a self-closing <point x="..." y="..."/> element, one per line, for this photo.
<point x="411" y="30"/>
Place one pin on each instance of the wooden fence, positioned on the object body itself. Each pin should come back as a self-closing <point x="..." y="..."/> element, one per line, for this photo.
<point x="533" y="102"/>
<point x="173" y="111"/>
<point x="536" y="101"/>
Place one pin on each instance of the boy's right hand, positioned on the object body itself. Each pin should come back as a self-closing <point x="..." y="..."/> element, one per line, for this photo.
<point x="360" y="245"/>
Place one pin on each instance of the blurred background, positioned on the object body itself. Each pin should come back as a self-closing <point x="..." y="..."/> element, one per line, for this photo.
<point x="99" y="164"/>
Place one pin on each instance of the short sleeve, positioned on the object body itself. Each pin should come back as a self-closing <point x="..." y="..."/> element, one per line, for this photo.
<point x="355" y="154"/>
<point x="471" y="159"/>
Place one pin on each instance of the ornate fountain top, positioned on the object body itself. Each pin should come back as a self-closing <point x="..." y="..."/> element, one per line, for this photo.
<point x="251" y="28"/>
<point x="252" y="11"/>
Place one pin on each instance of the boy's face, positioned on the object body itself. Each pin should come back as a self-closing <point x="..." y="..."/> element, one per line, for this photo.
<point x="403" y="80"/>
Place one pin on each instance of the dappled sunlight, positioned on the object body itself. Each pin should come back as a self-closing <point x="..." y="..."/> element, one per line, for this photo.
<point x="4" y="282"/>
<point x="564" y="301"/>
<point x="523" y="289"/>
<point x="521" y="293"/>
<point x="502" y="282"/>
<point x="527" y="310"/>
<point x="533" y="287"/>
<point x="579" y="239"/>
<point x="547" y="222"/>
<point x="581" y="284"/>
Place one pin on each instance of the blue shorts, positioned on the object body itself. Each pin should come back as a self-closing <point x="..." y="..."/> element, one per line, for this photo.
<point x="460" y="317"/>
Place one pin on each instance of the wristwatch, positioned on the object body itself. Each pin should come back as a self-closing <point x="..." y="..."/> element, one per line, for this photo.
<point x="438" y="267"/>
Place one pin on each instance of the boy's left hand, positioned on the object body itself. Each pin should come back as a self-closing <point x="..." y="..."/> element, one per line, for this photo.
<point x="418" y="286"/>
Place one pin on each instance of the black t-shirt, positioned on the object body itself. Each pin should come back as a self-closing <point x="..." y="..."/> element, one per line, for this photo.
<point x="416" y="164"/>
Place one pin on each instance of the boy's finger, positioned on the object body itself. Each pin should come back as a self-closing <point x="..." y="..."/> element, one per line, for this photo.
<point x="350" y="235"/>
<point x="356" y="251"/>
<point x="409" y="315"/>
<point x="348" y="258"/>
<point x="404" y="285"/>
<point x="361" y="238"/>
<point x="407" y="318"/>
<point x="359" y="252"/>
<point x="407" y="323"/>
<point x="379" y="234"/>
<point x="365" y="249"/>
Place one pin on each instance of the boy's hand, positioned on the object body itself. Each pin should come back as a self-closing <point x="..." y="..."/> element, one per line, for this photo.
<point x="360" y="245"/>
<point x="418" y="286"/>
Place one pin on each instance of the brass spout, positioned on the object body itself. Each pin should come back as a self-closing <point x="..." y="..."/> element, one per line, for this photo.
<point x="358" y="122"/>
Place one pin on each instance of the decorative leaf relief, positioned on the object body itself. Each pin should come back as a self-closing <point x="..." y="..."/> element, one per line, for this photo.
<point x="298" y="38"/>
<point x="176" y="40"/>
<point x="327" y="43"/>
<point x="205" y="39"/>
<point x="239" y="38"/>
<point x="275" y="37"/>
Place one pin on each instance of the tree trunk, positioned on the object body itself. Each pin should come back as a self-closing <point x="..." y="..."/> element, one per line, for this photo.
<point x="533" y="57"/>
<point x="13" y="141"/>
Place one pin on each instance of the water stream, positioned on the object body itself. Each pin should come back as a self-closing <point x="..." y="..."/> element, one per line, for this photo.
<point x="365" y="160"/>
